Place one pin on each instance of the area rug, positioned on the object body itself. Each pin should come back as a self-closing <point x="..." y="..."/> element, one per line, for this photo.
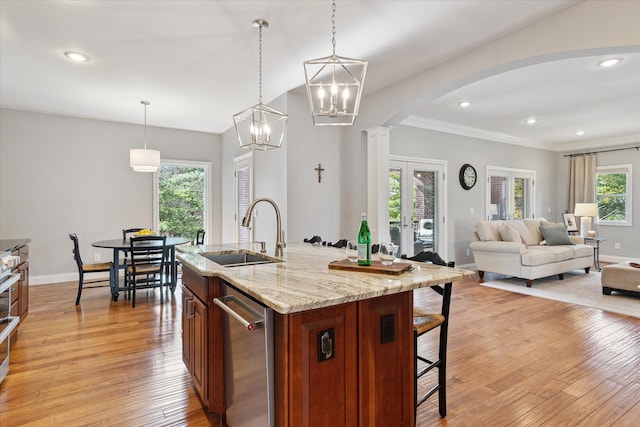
<point x="576" y="288"/>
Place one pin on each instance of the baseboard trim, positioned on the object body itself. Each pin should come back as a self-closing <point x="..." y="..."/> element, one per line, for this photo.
<point x="60" y="278"/>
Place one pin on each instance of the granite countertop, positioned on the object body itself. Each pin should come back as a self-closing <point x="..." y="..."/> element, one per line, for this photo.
<point x="11" y="244"/>
<point x="303" y="281"/>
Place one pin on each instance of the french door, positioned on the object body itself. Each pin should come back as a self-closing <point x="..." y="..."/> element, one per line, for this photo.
<point x="243" y="190"/>
<point x="510" y="193"/>
<point x="416" y="205"/>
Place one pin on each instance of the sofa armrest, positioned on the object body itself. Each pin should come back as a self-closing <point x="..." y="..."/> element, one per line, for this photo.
<point x="500" y="247"/>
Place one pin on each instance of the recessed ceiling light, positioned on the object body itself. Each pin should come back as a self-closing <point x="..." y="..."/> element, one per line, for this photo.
<point x="77" y="56"/>
<point x="464" y="104"/>
<point x="531" y="121"/>
<point x="610" y="62"/>
<point x="579" y="132"/>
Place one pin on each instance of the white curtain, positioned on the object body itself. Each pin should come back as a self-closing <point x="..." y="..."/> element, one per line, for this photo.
<point x="582" y="184"/>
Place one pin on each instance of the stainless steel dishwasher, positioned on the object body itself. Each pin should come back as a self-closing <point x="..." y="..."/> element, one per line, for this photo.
<point x="248" y="359"/>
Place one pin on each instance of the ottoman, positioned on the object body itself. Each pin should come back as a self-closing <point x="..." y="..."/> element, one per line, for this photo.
<point x="620" y="277"/>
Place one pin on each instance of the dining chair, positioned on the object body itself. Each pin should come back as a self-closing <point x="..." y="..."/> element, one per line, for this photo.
<point x="148" y="255"/>
<point x="425" y="321"/>
<point x="83" y="269"/>
<point x="200" y="237"/>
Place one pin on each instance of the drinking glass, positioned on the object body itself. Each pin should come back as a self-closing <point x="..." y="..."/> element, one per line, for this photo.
<point x="387" y="253"/>
<point x="352" y="250"/>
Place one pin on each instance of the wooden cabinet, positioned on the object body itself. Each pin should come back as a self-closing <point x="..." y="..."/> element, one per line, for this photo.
<point x="202" y="340"/>
<point x="385" y="368"/>
<point x="367" y="380"/>
<point x="194" y="340"/>
<point x="316" y="388"/>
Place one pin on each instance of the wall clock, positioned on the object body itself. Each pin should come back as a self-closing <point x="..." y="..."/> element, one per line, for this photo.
<point x="468" y="176"/>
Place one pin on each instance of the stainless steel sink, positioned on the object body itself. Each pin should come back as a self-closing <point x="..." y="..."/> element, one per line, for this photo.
<point x="237" y="259"/>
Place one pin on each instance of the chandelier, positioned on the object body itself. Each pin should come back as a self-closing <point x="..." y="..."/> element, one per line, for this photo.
<point x="142" y="159"/>
<point x="260" y="127"/>
<point x="334" y="85"/>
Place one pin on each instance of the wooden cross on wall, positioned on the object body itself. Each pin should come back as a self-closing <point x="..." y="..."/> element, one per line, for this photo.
<point x="319" y="169"/>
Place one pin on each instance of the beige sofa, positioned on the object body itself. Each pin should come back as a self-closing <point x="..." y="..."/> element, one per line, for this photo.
<point x="519" y="248"/>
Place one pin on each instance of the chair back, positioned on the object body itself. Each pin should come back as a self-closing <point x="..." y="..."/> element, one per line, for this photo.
<point x="76" y="250"/>
<point x="127" y="231"/>
<point x="200" y="237"/>
<point x="148" y="253"/>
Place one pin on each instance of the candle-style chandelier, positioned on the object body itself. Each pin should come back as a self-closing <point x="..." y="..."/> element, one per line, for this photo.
<point x="334" y="85"/>
<point x="260" y="127"/>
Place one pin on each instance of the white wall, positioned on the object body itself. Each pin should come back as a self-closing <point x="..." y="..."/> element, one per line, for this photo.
<point x="62" y="175"/>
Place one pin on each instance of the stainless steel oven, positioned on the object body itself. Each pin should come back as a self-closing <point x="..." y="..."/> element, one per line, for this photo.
<point x="8" y="323"/>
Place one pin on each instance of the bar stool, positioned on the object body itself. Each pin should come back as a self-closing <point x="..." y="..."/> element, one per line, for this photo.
<point x="423" y="322"/>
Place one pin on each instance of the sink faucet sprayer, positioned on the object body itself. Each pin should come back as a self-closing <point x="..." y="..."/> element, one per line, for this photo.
<point x="280" y="244"/>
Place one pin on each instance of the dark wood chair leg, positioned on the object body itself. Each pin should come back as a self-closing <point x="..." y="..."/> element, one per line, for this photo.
<point x="481" y="276"/>
<point x="80" y="282"/>
<point x="561" y="276"/>
<point x="586" y="270"/>
<point x="529" y="283"/>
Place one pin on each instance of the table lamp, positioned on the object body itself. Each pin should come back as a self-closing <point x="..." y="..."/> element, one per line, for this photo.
<point x="585" y="211"/>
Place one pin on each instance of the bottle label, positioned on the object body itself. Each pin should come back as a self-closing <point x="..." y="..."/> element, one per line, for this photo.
<point x="363" y="254"/>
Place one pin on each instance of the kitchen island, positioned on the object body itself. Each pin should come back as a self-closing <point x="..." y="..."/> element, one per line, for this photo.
<point x="364" y="374"/>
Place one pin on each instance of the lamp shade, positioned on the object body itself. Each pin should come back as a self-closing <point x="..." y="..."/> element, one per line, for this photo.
<point x="586" y="209"/>
<point x="144" y="160"/>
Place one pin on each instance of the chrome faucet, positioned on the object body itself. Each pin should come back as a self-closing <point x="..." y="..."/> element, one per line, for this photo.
<point x="280" y="244"/>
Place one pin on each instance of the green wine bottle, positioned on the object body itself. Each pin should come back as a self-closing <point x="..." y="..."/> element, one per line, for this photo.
<point x="364" y="242"/>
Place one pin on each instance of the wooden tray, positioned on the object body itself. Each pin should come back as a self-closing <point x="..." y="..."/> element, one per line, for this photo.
<point x="375" y="267"/>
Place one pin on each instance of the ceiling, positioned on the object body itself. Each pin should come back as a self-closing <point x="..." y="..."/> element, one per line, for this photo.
<point x="197" y="63"/>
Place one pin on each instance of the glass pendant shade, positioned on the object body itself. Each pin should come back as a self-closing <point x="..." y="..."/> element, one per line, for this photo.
<point x="144" y="160"/>
<point x="260" y="127"/>
<point x="334" y="89"/>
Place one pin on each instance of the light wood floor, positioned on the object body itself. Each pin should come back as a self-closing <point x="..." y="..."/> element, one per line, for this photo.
<point x="514" y="360"/>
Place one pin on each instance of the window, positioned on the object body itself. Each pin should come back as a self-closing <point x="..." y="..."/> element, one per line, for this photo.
<point x="613" y="194"/>
<point x="181" y="194"/>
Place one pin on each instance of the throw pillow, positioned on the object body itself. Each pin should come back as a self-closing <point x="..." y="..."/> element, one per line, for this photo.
<point x="556" y="235"/>
<point x="509" y="234"/>
<point x="527" y="238"/>
<point x="488" y="231"/>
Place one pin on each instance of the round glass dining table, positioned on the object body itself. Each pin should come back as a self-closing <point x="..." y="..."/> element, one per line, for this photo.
<point x="120" y="245"/>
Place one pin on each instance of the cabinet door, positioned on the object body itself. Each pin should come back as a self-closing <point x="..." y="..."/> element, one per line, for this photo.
<point x="385" y="340"/>
<point x="316" y="367"/>
<point x="199" y="347"/>
<point x="187" y="326"/>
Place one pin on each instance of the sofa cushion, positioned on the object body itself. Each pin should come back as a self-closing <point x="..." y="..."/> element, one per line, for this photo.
<point x="509" y="234"/>
<point x="562" y="253"/>
<point x="489" y="231"/>
<point x="533" y="257"/>
<point x="580" y="250"/>
<point x="556" y="235"/>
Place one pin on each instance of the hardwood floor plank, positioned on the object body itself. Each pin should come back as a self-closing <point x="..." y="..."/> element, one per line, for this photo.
<point x="513" y="360"/>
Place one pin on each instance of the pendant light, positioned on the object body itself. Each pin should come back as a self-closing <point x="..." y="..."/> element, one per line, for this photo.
<point x="334" y="85"/>
<point x="144" y="160"/>
<point x="260" y="127"/>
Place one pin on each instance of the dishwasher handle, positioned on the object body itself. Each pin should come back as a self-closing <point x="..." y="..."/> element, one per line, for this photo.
<point x="221" y="302"/>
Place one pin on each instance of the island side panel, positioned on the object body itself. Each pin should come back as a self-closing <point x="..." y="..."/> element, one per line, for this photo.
<point x="385" y="364"/>
<point x="317" y="388"/>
